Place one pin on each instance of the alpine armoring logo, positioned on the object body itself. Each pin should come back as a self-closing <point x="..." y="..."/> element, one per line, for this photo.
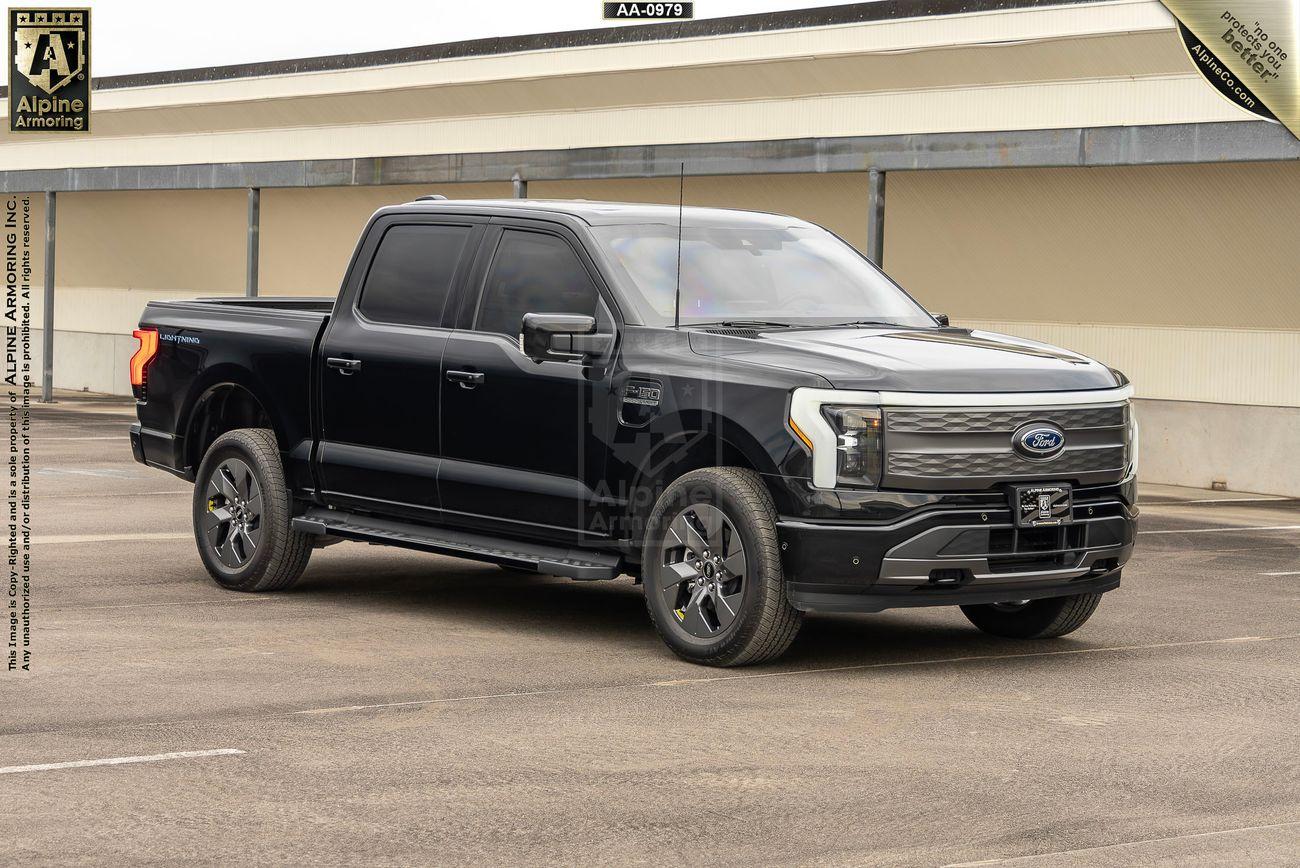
<point x="49" y="71"/>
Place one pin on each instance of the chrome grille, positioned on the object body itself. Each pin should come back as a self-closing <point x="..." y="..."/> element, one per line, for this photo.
<point x="964" y="448"/>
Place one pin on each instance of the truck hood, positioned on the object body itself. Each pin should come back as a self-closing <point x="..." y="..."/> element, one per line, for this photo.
<point x="914" y="360"/>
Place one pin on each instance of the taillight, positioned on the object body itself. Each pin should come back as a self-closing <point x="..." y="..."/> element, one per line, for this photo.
<point x="148" y="339"/>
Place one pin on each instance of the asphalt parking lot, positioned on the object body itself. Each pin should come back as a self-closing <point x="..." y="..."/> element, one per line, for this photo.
<point x="400" y="708"/>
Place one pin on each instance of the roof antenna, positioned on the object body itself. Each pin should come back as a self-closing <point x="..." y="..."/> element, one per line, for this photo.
<point x="677" y="297"/>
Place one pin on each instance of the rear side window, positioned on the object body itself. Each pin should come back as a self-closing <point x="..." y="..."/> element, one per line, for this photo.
<point x="410" y="277"/>
<point x="533" y="273"/>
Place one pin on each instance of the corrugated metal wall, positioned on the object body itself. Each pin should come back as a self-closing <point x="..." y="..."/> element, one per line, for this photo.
<point x="1221" y="366"/>
<point x="1211" y="246"/>
<point x="1173" y="274"/>
<point x="1077" y="65"/>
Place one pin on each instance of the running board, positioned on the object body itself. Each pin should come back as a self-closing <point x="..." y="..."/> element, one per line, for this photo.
<point x="581" y="564"/>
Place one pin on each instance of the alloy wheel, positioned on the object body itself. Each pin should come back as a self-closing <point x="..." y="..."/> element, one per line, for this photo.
<point x="232" y="522"/>
<point x="701" y="571"/>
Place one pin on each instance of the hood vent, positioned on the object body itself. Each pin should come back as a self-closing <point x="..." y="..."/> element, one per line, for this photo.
<point x="734" y="332"/>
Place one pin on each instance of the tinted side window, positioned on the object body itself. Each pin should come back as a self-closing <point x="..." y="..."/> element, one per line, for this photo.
<point x="533" y="273"/>
<point x="410" y="277"/>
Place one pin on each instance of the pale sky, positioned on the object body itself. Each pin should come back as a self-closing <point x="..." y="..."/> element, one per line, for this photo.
<point x="151" y="35"/>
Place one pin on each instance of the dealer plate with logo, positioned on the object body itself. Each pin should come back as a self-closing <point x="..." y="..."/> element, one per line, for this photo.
<point x="1042" y="505"/>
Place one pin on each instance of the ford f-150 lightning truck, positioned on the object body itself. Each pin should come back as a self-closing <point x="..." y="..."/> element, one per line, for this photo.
<point x="736" y="409"/>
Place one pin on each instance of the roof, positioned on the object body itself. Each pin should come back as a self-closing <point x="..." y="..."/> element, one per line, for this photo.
<point x="610" y="213"/>
<point x="851" y="13"/>
<point x="953" y="83"/>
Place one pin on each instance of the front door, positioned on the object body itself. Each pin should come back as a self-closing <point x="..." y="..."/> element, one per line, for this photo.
<point x="380" y="358"/>
<point x="523" y="442"/>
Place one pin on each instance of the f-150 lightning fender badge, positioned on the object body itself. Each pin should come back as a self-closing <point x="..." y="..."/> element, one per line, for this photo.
<point x="640" y="402"/>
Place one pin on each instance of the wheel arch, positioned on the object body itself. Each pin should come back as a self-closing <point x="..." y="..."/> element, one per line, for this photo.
<point x="697" y="441"/>
<point x="224" y="401"/>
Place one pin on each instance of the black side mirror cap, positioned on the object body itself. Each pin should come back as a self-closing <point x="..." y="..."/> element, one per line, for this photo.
<point x="561" y="337"/>
<point x="942" y="318"/>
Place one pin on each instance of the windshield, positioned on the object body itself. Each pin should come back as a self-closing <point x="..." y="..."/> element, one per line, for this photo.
<point x="780" y="275"/>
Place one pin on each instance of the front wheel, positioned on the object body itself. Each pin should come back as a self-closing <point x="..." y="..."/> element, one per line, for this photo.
<point x="242" y="515"/>
<point x="1034" y="619"/>
<point x="714" y="587"/>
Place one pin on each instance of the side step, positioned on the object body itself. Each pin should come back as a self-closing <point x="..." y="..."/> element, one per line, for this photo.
<point x="581" y="564"/>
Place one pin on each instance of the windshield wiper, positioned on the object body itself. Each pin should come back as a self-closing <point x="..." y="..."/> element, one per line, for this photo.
<point x="743" y="324"/>
<point x="869" y="322"/>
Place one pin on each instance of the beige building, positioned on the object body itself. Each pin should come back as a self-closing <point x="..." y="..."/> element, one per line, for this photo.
<point x="1058" y="171"/>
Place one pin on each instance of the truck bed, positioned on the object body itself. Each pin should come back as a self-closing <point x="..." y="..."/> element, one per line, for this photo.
<point x="209" y="348"/>
<point x="272" y="303"/>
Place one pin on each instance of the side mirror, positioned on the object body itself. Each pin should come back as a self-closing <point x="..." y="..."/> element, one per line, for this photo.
<point x="561" y="337"/>
<point x="942" y="318"/>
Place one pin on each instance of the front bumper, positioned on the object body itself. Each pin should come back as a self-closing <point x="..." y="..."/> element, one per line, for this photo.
<point x="943" y="555"/>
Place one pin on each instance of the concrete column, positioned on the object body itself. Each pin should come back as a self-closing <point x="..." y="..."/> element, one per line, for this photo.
<point x="254" y="232"/>
<point x="521" y="186"/>
<point x="47" y="351"/>
<point x="876" y="216"/>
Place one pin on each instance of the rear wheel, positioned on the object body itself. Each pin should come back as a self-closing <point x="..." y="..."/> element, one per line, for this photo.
<point x="712" y="570"/>
<point x="1034" y="619"/>
<point x="242" y="515"/>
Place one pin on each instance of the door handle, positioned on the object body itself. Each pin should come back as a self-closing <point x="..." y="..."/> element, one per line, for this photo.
<point x="344" y="366"/>
<point x="467" y="379"/>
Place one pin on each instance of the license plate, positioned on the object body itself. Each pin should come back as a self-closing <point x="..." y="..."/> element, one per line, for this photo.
<point x="1042" y="505"/>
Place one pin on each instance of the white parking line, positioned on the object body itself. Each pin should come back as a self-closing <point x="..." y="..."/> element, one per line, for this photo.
<point x="1214" y="500"/>
<point x="119" y="760"/>
<point x="973" y="657"/>
<point x="60" y="539"/>
<point x="103" y="472"/>
<point x="1225" y="529"/>
<point x="1287" y="573"/>
<point x="104" y="495"/>
<point x="1014" y="859"/>
<point x="680" y="682"/>
<point x="57" y="439"/>
<point x="263" y="599"/>
<point x="553" y="691"/>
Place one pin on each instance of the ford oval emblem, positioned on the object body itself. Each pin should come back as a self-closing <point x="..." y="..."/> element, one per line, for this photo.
<point x="1038" y="440"/>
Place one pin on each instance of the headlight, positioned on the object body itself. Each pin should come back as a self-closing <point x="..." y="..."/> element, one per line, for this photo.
<point x="842" y="430"/>
<point x="858" y="448"/>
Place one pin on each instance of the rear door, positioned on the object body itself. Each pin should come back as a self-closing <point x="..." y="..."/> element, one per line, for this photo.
<point x="379" y="376"/>
<point x="523" y="442"/>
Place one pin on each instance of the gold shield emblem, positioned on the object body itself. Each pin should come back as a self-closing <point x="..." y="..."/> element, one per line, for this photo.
<point x="50" y="47"/>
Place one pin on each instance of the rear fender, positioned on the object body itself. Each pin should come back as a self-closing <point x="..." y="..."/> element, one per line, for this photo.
<point x="209" y="385"/>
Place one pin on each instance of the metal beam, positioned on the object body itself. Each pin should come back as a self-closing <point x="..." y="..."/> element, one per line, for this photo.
<point x="1235" y="142"/>
<point x="876" y="216"/>
<point x="254" y="240"/>
<point x="762" y="22"/>
<point x="47" y="350"/>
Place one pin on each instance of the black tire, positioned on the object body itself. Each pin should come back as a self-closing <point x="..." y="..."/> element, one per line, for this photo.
<point x="762" y="623"/>
<point x="1036" y="619"/>
<point x="280" y="554"/>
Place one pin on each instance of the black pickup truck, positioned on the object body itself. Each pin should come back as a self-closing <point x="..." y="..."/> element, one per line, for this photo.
<point x="736" y="409"/>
